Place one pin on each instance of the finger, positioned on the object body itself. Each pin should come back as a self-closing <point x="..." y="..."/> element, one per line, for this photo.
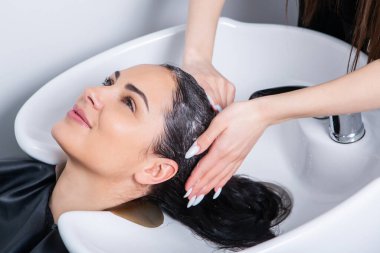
<point x="221" y="181"/>
<point x="220" y="92"/>
<point x="224" y="180"/>
<point x="213" y="89"/>
<point x="218" y="169"/>
<point x="216" y="107"/>
<point x="211" y="183"/>
<point x="190" y="182"/>
<point x="210" y="99"/>
<point x="231" y="94"/>
<point x="224" y="87"/>
<point x="205" y="140"/>
<point x="225" y="92"/>
<point x="219" y="155"/>
<point x="210" y="160"/>
<point x="230" y="172"/>
<point x="210" y="94"/>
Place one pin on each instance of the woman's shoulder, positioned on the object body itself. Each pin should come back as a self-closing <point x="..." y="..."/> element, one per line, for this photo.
<point x="25" y="188"/>
<point x="26" y="174"/>
<point x="26" y="167"/>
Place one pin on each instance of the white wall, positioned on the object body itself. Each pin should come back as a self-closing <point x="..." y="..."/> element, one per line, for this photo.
<point x="40" y="39"/>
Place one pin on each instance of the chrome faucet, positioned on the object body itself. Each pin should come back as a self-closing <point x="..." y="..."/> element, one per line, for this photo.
<point x="347" y="128"/>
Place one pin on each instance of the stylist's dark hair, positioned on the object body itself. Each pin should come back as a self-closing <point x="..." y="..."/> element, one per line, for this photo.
<point x="366" y="27"/>
<point x="245" y="212"/>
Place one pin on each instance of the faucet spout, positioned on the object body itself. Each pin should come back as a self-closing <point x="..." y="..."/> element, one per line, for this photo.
<point x="346" y="128"/>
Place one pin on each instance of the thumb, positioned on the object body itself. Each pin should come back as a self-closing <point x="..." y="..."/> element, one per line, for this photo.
<point x="205" y="140"/>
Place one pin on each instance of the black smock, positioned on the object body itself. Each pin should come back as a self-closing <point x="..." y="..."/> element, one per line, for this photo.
<point x="26" y="222"/>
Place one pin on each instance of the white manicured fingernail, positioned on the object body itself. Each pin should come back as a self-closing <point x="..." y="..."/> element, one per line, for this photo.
<point x="188" y="193"/>
<point x="191" y="201"/>
<point x="210" y="100"/>
<point x="218" y="108"/>
<point x="217" y="193"/>
<point x="198" y="200"/>
<point x="192" y="150"/>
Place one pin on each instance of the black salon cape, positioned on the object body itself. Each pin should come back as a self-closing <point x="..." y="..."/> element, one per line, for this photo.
<point x="26" y="222"/>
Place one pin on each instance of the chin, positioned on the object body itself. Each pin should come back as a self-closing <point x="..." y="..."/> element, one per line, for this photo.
<point x="55" y="132"/>
<point x="72" y="142"/>
<point x="61" y="134"/>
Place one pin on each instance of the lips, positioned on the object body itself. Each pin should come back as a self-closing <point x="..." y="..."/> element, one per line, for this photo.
<point x="81" y="115"/>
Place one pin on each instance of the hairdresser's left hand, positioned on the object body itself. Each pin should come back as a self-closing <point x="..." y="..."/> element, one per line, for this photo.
<point x="220" y="91"/>
<point x="231" y="135"/>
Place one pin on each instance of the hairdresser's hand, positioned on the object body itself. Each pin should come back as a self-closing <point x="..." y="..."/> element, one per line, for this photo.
<point x="231" y="135"/>
<point x="221" y="92"/>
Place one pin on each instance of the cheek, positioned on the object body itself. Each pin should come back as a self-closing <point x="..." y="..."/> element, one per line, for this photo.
<point x="113" y="148"/>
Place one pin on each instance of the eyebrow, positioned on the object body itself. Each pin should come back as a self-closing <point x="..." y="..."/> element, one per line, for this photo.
<point x="117" y="74"/>
<point x="133" y="88"/>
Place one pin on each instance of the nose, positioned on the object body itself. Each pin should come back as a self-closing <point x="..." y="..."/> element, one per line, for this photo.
<point x="92" y="96"/>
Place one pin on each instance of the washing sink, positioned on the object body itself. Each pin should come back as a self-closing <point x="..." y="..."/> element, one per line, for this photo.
<point x="335" y="187"/>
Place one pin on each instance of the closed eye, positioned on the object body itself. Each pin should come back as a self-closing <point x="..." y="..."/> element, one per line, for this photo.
<point x="130" y="103"/>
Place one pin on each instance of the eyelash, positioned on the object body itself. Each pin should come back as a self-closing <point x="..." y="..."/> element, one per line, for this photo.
<point x="126" y="100"/>
<point x="107" y="82"/>
<point x="130" y="103"/>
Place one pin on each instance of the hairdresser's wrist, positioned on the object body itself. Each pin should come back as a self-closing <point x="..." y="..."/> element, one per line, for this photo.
<point x="265" y="109"/>
<point x="197" y="54"/>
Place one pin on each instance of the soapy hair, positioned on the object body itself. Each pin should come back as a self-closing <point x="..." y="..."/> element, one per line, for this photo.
<point x="246" y="211"/>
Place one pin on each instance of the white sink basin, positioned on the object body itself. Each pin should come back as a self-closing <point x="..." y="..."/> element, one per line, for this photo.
<point x="334" y="186"/>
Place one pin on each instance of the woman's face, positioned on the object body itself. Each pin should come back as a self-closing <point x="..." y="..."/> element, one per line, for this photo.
<point x="111" y="128"/>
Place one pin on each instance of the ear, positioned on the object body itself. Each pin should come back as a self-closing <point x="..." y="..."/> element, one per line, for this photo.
<point x="161" y="170"/>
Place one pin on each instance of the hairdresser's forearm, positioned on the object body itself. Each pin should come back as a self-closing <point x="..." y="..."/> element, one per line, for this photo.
<point x="203" y="16"/>
<point x="356" y="92"/>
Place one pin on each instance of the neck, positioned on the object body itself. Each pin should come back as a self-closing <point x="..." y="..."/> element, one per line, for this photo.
<point x="79" y="189"/>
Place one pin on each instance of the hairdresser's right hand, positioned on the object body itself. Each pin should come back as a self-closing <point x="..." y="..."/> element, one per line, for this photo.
<point x="220" y="90"/>
<point x="231" y="135"/>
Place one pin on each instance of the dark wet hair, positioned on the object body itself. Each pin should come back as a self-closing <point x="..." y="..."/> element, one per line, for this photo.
<point x="245" y="212"/>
